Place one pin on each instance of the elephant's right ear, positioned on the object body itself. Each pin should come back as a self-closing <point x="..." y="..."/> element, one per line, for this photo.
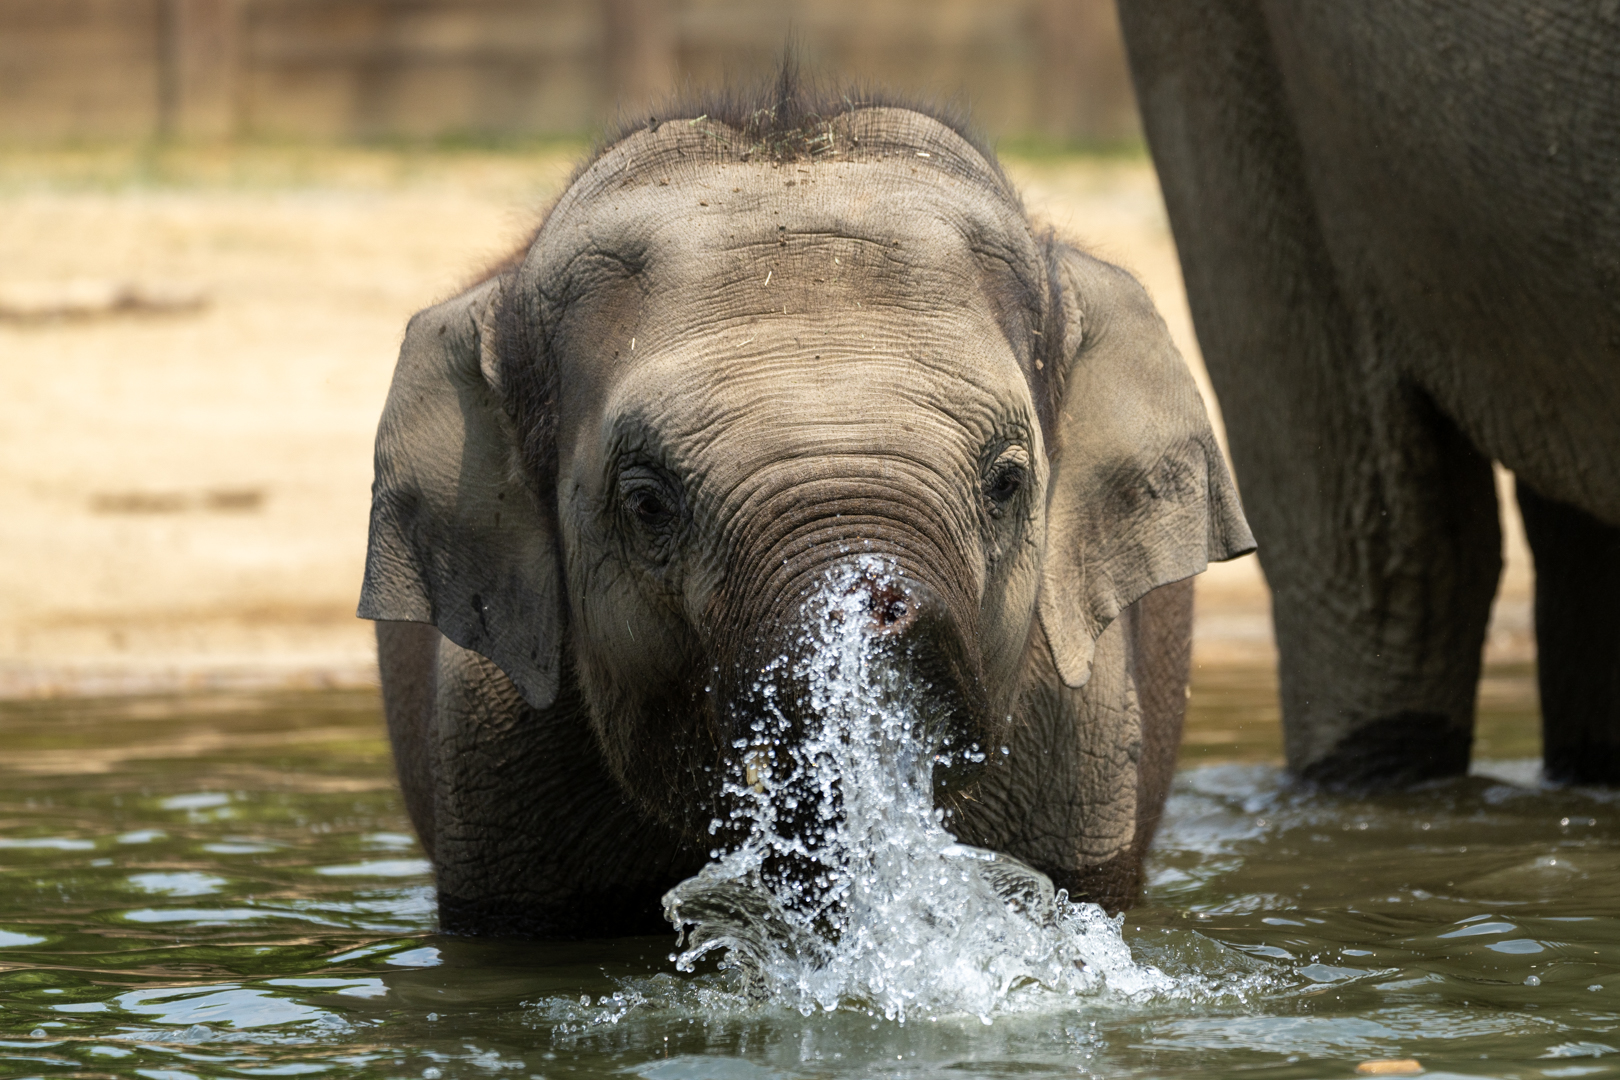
<point x="457" y="538"/>
<point x="1139" y="495"/>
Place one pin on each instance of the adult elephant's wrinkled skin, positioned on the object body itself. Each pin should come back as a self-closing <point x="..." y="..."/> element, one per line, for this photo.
<point x="1400" y="230"/>
<point x="752" y="349"/>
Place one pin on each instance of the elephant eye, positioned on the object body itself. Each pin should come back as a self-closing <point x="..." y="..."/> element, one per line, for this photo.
<point x="649" y="507"/>
<point x="1005" y="483"/>
<point x="649" y="501"/>
<point x="1006" y="478"/>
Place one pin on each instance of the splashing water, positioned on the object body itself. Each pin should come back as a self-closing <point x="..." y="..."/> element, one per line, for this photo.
<point x="881" y="908"/>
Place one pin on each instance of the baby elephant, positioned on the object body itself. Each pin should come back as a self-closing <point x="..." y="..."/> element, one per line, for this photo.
<point x="751" y="352"/>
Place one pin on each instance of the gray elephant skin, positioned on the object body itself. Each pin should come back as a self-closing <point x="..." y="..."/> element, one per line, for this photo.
<point x="750" y="346"/>
<point x="1399" y="225"/>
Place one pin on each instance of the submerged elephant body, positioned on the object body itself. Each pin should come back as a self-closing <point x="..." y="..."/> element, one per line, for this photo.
<point x="748" y="358"/>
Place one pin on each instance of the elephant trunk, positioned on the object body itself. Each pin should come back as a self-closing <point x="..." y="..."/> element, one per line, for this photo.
<point x="840" y="613"/>
<point x="836" y="687"/>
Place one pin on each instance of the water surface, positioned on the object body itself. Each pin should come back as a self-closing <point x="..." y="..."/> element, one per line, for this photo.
<point x="227" y="886"/>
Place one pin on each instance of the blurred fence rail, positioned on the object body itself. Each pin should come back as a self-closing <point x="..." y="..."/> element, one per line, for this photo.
<point x="201" y="69"/>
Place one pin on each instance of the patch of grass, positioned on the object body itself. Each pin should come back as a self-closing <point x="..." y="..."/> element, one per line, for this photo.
<point x="259" y="164"/>
<point x="1043" y="149"/>
<point x="268" y="162"/>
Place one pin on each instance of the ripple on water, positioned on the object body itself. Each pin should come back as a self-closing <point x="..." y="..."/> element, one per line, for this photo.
<point x="1341" y="915"/>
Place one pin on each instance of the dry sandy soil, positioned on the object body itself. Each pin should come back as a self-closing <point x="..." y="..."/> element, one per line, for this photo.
<point x="185" y="444"/>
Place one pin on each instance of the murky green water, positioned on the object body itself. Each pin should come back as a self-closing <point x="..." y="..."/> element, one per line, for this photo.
<point x="227" y="887"/>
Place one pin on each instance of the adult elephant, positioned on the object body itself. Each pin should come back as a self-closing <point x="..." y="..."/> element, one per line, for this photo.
<point x="758" y="352"/>
<point x="1400" y="229"/>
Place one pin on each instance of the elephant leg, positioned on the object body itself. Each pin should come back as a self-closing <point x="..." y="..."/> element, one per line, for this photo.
<point x="1080" y="768"/>
<point x="1162" y="658"/>
<point x="534" y="838"/>
<point x="407" y="660"/>
<point x="1375" y="518"/>
<point x="1381" y="599"/>
<point x="1577" y="638"/>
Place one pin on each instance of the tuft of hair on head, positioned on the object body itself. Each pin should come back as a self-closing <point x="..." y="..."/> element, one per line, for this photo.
<point x="784" y="116"/>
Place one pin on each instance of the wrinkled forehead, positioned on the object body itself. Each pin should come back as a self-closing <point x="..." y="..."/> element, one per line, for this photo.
<point x="695" y="204"/>
<point x="893" y="260"/>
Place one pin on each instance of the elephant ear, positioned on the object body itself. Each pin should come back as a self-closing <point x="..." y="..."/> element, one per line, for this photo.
<point x="457" y="538"/>
<point x="1139" y="495"/>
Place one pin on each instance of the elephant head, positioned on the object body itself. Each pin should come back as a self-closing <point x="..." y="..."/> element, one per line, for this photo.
<point x="742" y="363"/>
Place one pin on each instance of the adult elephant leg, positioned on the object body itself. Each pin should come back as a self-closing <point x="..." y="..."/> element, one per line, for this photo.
<point x="534" y="838"/>
<point x="1375" y="518"/>
<point x="1381" y="597"/>
<point x="1577" y="638"/>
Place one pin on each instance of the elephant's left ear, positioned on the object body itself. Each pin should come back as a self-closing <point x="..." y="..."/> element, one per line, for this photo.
<point x="457" y="537"/>
<point x="1139" y="494"/>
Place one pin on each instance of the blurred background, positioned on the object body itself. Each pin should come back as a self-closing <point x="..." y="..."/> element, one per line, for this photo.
<point x="217" y="215"/>
<point x="477" y="69"/>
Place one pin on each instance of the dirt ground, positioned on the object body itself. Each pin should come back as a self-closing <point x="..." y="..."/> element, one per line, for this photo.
<point x="194" y="348"/>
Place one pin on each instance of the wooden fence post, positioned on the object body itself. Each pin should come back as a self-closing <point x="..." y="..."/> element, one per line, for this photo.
<point x="639" y="40"/>
<point x="1085" y="90"/>
<point x="199" y="57"/>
